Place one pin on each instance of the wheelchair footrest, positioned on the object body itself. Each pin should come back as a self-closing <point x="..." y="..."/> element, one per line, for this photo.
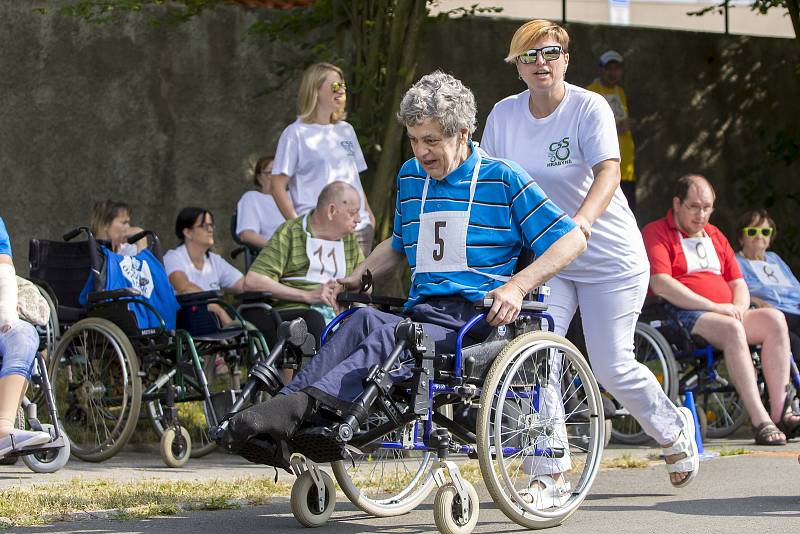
<point x="262" y="451"/>
<point x="319" y="445"/>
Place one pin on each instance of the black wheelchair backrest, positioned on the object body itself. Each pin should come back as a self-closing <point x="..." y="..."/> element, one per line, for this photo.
<point x="64" y="266"/>
<point x="526" y="257"/>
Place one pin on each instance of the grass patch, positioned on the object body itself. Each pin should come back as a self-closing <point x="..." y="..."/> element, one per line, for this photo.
<point x="626" y="461"/>
<point x="734" y="452"/>
<point x="144" y="498"/>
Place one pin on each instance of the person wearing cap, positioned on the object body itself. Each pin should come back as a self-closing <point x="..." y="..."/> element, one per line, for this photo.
<point x="607" y="83"/>
<point x="564" y="137"/>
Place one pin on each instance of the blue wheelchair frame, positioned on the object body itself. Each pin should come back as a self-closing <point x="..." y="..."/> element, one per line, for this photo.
<point x="438" y="388"/>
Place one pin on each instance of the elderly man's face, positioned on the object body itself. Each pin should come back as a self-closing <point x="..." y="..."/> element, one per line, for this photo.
<point x="438" y="155"/>
<point x="344" y="214"/>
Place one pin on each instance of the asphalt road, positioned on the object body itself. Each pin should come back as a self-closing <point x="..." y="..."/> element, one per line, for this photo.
<point x="749" y="494"/>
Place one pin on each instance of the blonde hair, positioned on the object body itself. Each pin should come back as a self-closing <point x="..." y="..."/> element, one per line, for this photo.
<point x="532" y="32"/>
<point x="313" y="78"/>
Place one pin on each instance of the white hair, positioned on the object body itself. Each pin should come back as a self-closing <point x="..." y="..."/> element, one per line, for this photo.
<point x="442" y="98"/>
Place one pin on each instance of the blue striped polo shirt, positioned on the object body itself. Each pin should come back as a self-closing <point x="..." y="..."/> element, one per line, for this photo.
<point x="509" y="210"/>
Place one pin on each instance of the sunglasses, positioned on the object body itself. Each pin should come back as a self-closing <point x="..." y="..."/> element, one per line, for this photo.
<point x="549" y="53"/>
<point x="335" y="86"/>
<point x="751" y="231"/>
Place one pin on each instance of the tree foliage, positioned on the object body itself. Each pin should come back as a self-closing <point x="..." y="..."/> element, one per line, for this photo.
<point x="761" y="6"/>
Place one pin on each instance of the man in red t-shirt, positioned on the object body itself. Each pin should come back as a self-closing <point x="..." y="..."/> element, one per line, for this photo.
<point x="693" y="268"/>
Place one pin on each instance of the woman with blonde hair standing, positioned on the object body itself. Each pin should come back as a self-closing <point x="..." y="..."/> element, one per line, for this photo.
<point x="320" y="148"/>
<point x="565" y="137"/>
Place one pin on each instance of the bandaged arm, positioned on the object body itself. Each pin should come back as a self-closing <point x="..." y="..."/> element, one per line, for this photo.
<point x="8" y="292"/>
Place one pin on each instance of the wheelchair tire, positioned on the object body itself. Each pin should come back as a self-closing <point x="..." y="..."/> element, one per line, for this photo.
<point x="48" y="461"/>
<point x="304" y="500"/>
<point x="386" y="482"/>
<point x="446" y="507"/>
<point x="175" y="448"/>
<point x="655" y="353"/>
<point x="528" y="370"/>
<point x="95" y="376"/>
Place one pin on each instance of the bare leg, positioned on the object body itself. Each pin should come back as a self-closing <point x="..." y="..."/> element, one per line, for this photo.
<point x="728" y="334"/>
<point x="767" y="327"/>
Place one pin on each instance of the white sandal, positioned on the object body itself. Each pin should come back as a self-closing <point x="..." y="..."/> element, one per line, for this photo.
<point x="686" y="445"/>
<point x="552" y="495"/>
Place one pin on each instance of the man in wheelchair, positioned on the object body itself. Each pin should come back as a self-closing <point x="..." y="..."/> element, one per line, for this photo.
<point x="461" y="221"/>
<point x="694" y="269"/>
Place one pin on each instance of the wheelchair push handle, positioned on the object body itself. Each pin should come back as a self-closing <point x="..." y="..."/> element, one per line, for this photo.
<point x="153" y="242"/>
<point x="75" y="232"/>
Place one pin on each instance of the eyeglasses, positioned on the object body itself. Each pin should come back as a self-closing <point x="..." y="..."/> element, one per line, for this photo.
<point x="549" y="53"/>
<point x="751" y="231"/>
<point x="208" y="227"/>
<point x="336" y="86"/>
<point x="695" y="208"/>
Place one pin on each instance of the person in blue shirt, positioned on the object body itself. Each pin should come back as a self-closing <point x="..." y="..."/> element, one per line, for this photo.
<point x="461" y="220"/>
<point x="771" y="282"/>
<point x="18" y="345"/>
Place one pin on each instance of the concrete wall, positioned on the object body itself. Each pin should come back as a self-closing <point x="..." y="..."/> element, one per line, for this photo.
<point x="165" y="118"/>
<point x="160" y="118"/>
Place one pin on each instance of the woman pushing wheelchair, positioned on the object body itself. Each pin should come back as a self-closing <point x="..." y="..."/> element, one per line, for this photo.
<point x="461" y="221"/>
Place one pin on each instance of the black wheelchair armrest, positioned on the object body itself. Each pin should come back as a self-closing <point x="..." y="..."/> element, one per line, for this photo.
<point x="353" y="298"/>
<point x="201" y="297"/>
<point x="527" y="305"/>
<point x="251" y="297"/>
<point x="365" y="298"/>
<point x="99" y="296"/>
<point x="391" y="302"/>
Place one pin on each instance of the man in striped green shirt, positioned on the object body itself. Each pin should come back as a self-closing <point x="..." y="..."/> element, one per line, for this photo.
<point x="306" y="255"/>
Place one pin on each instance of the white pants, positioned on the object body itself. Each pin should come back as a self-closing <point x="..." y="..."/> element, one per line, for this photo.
<point x="609" y="311"/>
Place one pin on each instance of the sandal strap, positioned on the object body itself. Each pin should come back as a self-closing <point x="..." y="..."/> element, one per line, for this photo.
<point x="681" y="445"/>
<point x="684" y="465"/>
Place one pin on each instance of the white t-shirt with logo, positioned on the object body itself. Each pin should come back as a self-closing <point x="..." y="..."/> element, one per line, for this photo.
<point x="258" y="212"/>
<point x="559" y="152"/>
<point x="314" y="155"/>
<point x="215" y="274"/>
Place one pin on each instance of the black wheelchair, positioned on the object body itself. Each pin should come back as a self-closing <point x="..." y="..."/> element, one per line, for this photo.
<point x="684" y="362"/>
<point x="105" y="365"/>
<point x="531" y="388"/>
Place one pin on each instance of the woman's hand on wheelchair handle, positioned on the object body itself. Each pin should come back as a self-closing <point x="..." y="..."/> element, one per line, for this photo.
<point x="507" y="302"/>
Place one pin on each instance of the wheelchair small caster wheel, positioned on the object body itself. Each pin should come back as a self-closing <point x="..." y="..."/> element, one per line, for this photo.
<point x="307" y="507"/>
<point x="50" y="460"/>
<point x="176" y="446"/>
<point x="447" y="512"/>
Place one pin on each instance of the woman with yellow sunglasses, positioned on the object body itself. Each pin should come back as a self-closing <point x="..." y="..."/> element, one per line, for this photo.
<point x="771" y="282"/>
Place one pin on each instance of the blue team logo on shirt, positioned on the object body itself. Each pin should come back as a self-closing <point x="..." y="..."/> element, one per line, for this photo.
<point x="349" y="147"/>
<point x="137" y="272"/>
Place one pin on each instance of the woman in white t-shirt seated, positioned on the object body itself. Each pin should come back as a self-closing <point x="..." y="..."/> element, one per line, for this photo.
<point x="257" y="214"/>
<point x="320" y="148"/>
<point x="111" y="221"/>
<point x="192" y="267"/>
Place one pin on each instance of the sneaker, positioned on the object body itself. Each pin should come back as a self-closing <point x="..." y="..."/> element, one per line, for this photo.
<point x="22" y="439"/>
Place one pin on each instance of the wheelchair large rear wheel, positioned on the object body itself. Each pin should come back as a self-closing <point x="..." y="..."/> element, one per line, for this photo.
<point x="523" y="427"/>
<point x="95" y="376"/>
<point x="654" y="352"/>
<point x="383" y="481"/>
